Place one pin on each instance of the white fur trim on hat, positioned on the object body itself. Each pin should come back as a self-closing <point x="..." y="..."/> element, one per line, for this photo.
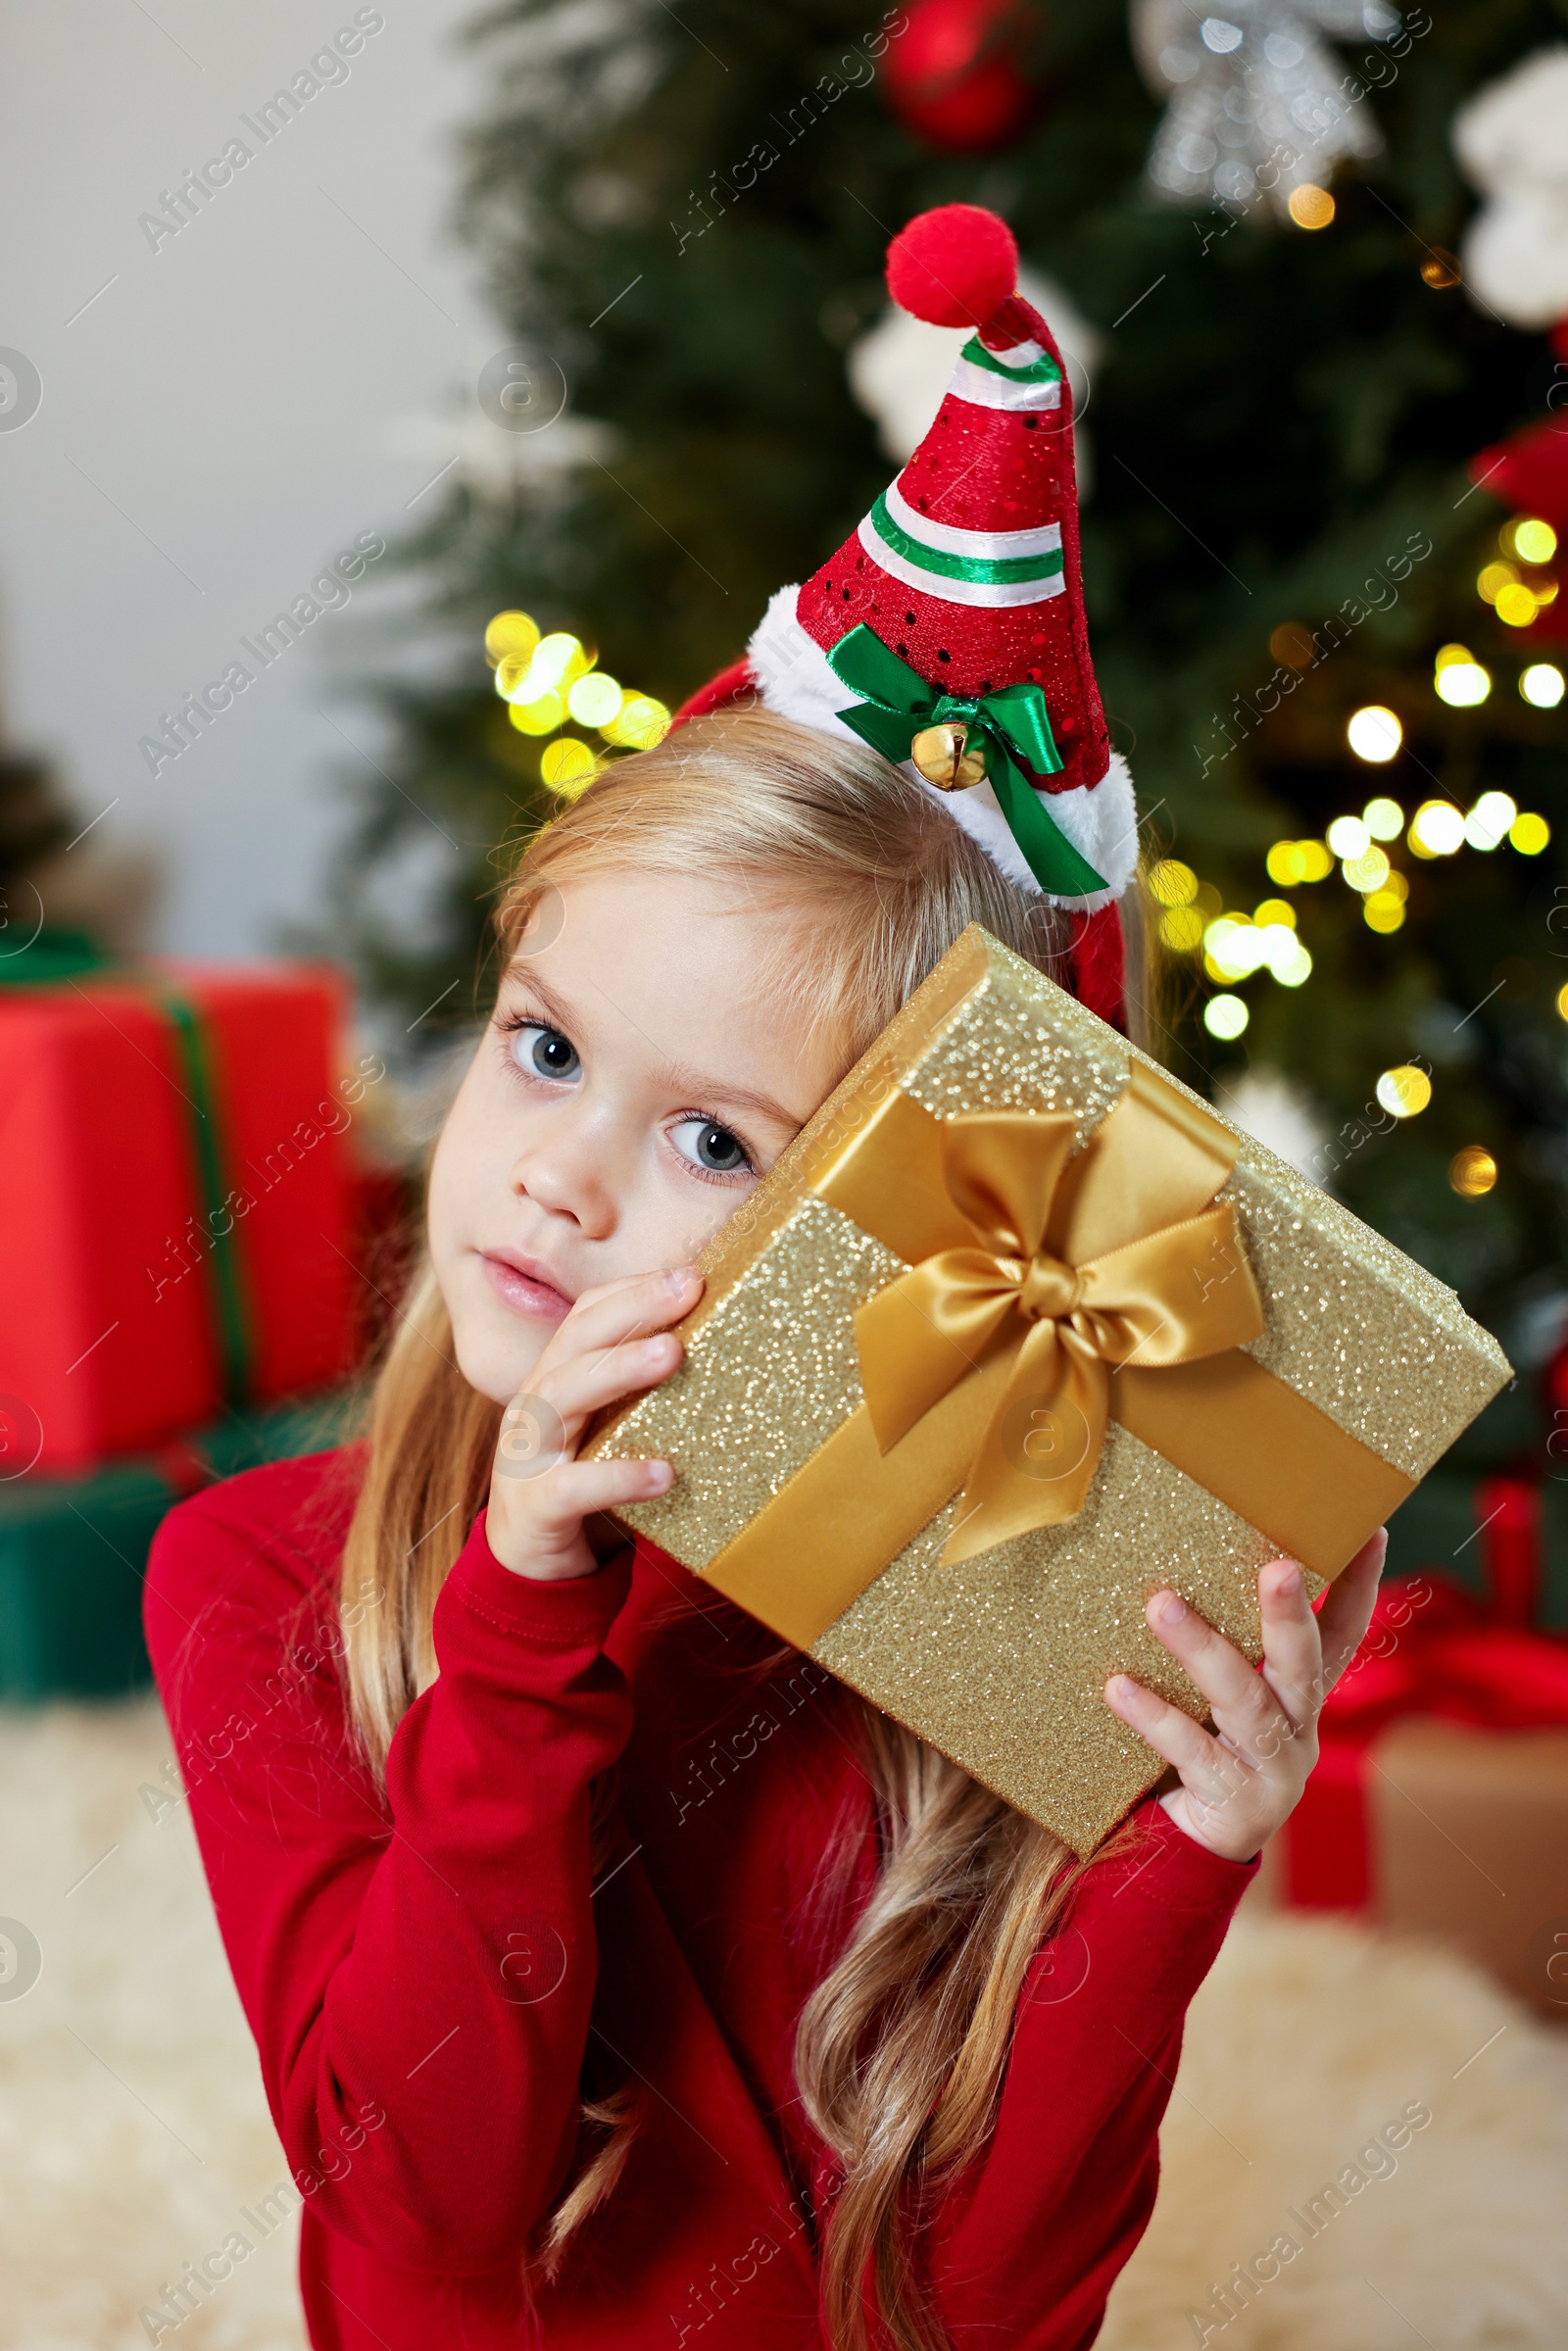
<point x="795" y="679"/>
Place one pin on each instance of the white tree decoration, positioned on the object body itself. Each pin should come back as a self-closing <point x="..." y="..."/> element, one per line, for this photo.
<point x="1258" y="102"/>
<point x="1512" y="141"/>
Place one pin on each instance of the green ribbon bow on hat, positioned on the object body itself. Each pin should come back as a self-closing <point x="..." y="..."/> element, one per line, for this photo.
<point x="1010" y="728"/>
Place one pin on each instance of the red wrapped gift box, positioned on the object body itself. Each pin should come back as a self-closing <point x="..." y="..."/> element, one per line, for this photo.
<point x="174" y="1202"/>
<point x="1438" y="1803"/>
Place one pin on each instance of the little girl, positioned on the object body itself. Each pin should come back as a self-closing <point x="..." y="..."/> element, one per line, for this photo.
<point x="567" y="2042"/>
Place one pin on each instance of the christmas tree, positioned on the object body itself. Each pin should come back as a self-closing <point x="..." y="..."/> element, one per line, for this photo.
<point x="1346" y="753"/>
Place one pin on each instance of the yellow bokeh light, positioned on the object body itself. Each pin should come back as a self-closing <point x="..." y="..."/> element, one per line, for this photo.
<point x="1489" y="820"/>
<point x="1437" y="829"/>
<point x="1275" y="910"/>
<point x="1367" y="872"/>
<point x="594" y="700"/>
<point x="1530" y="539"/>
<point x="1348" y="836"/>
<point x="1529" y="835"/>
<point x="540" y="716"/>
<point x="1472" y="1171"/>
<point x="559" y="658"/>
<point x="1463" y="684"/>
<point x="1284" y="864"/>
<point x="1317" y="861"/>
<point x="1374" y="734"/>
<point x="1562" y="1001"/>
<point x="568" y="766"/>
<point x="1225" y="1016"/>
<point x="639" y="724"/>
<point x="1310" y="207"/>
<point x="1492" y="577"/>
<point x="1173" y="883"/>
<point x="1181" y="928"/>
<point x="1403" y="1092"/>
<point x="1516" y="606"/>
<point x="1383" y="911"/>
<point x="1542" y="685"/>
<point x="513" y="635"/>
<point x="1383" y="818"/>
<point x="1448" y="655"/>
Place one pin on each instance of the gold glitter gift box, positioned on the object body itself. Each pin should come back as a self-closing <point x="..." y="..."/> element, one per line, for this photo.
<point x="1016" y="1331"/>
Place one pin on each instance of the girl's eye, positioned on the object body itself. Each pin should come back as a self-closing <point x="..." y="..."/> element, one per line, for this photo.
<point x="712" y="1149"/>
<point x="544" y="1051"/>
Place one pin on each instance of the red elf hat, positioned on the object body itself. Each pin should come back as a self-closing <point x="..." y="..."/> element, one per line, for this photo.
<point x="947" y="631"/>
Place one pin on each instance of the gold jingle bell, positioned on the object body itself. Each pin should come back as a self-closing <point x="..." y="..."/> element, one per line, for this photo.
<point x="944" y="759"/>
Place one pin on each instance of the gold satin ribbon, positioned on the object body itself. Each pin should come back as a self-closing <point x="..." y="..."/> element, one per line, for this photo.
<point x="1069" y="1266"/>
<point x="1047" y="1291"/>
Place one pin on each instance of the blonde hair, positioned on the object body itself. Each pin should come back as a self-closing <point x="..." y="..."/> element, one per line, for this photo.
<point x="901" y="2049"/>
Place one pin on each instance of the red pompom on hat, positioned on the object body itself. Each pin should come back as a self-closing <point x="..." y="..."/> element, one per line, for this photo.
<point x="947" y="631"/>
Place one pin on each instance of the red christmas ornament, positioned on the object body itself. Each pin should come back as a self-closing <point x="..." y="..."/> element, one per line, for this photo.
<point x="1529" y="471"/>
<point x="965" y="75"/>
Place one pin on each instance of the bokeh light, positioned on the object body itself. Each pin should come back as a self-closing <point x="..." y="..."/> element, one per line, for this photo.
<point x="1348" y="836"/>
<point x="595" y="699"/>
<point x="1529" y="835"/>
<point x="1275" y="910"/>
<point x="1437" y="829"/>
<point x="1542" y="684"/>
<point x="1182" y="929"/>
<point x="1459" y="678"/>
<point x="1492" y="578"/>
<point x="568" y="766"/>
<point x="1383" y="911"/>
<point x="541" y="716"/>
<point x="1173" y="883"/>
<point x="1290" y="862"/>
<point x="1367" y="872"/>
<point x="1561" y="1001"/>
<point x="1516" y="605"/>
<point x="1383" y="818"/>
<point x="1489" y="820"/>
<point x="1374" y="733"/>
<point x="1530" y="539"/>
<point x="638" y="725"/>
<point x="1472" y="1171"/>
<point x="1225" y="1017"/>
<point x="1403" y="1092"/>
<point x="1310" y="207"/>
<point x="511" y="633"/>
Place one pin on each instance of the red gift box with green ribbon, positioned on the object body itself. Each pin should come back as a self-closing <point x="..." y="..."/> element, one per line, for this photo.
<point x="176" y="1216"/>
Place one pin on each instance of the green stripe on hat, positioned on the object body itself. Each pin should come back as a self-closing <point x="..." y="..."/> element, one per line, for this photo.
<point x="1043" y="371"/>
<point x="991" y="570"/>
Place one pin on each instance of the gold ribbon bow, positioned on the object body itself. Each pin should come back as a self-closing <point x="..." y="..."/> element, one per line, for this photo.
<point x="1047" y="1290"/>
<point x="1069" y="1266"/>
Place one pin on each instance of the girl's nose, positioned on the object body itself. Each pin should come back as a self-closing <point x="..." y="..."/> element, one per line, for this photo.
<point x="570" y="1172"/>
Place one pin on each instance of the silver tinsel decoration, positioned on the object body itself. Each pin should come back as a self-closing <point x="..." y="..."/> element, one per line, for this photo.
<point x="1258" y="103"/>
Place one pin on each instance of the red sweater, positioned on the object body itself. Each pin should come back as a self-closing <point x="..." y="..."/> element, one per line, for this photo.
<point x="425" y="1979"/>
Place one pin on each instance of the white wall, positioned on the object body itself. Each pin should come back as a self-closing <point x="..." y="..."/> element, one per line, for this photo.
<point x="229" y="411"/>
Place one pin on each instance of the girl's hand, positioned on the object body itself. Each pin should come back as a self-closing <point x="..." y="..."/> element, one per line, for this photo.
<point x="609" y="1345"/>
<point x="1238" y="1788"/>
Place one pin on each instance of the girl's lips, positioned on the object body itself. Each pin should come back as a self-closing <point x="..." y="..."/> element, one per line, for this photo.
<point x="523" y="1294"/>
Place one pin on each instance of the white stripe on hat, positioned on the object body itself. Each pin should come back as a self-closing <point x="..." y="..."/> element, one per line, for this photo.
<point x="991" y="595"/>
<point x="995" y="545"/>
<point x="982" y="389"/>
<point x="1100" y="820"/>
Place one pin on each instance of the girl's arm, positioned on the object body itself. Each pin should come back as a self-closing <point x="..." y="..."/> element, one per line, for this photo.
<point x="1030" y="2241"/>
<point x="418" y="1977"/>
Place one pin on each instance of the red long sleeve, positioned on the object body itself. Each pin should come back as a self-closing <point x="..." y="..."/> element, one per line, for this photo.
<point x="428" y="1976"/>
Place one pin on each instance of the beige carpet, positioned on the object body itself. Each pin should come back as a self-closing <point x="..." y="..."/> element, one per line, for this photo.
<point x="132" y="2129"/>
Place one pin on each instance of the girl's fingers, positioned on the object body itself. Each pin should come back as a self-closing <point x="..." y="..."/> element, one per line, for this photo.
<point x="1207" y="1769"/>
<point x="585" y="1384"/>
<point x="1217" y="1667"/>
<point x="629" y="1309"/>
<point x="562" y="1498"/>
<point x="1292" y="1652"/>
<point x="1346" y="1610"/>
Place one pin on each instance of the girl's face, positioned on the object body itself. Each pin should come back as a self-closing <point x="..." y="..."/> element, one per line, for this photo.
<point x="634" y="1083"/>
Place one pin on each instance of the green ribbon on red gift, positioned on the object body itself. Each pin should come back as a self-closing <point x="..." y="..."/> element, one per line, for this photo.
<point x="56" y="957"/>
<point x="1013" y="726"/>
